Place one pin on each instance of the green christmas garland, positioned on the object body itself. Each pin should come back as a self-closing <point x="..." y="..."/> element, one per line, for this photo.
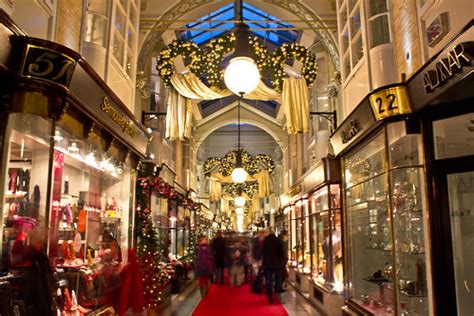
<point x="296" y="52"/>
<point x="208" y="64"/>
<point x="251" y="164"/>
<point x="232" y="189"/>
<point x="165" y="61"/>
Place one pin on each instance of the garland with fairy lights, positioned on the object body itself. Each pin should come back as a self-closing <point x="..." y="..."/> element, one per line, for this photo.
<point x="165" y="61"/>
<point x="208" y="64"/>
<point x="297" y="52"/>
<point x="251" y="164"/>
<point x="232" y="189"/>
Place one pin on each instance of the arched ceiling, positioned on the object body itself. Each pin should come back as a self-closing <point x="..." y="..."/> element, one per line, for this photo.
<point x="224" y="139"/>
<point x="158" y="18"/>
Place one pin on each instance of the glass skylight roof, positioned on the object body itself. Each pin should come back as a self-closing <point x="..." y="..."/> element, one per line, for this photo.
<point x="215" y="24"/>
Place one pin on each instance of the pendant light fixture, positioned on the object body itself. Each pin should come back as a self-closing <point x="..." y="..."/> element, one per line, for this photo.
<point x="240" y="200"/>
<point x="241" y="75"/>
<point x="239" y="175"/>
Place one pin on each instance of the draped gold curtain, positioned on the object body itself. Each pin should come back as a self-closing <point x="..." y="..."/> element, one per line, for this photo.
<point x="179" y="116"/>
<point x="295" y="105"/>
<point x="190" y="86"/>
<point x="263" y="178"/>
<point x="294" y="97"/>
<point x="215" y="189"/>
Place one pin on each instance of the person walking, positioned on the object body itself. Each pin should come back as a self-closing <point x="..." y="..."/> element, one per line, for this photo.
<point x="219" y="250"/>
<point x="204" y="265"/>
<point x="273" y="261"/>
<point x="257" y="252"/>
<point x="283" y="236"/>
<point x="237" y="266"/>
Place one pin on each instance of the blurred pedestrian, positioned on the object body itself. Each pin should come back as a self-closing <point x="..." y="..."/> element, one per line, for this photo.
<point x="283" y="236"/>
<point x="204" y="265"/>
<point x="237" y="266"/>
<point x="257" y="251"/>
<point x="273" y="261"/>
<point x="219" y="251"/>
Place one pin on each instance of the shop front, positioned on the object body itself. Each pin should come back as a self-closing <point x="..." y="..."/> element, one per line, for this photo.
<point x="387" y="259"/>
<point x="69" y="152"/>
<point x="313" y="220"/>
<point x="442" y="93"/>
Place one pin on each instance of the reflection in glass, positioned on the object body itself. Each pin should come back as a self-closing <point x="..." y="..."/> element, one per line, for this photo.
<point x="461" y="209"/>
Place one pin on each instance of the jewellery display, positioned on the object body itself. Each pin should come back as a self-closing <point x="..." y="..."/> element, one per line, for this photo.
<point x="385" y="231"/>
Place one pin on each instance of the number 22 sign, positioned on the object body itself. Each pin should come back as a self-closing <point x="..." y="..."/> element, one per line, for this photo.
<point x="389" y="102"/>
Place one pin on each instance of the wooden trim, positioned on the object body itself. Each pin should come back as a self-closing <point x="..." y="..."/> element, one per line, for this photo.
<point x="12" y="26"/>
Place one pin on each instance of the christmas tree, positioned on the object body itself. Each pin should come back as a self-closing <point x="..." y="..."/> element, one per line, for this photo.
<point x="151" y="251"/>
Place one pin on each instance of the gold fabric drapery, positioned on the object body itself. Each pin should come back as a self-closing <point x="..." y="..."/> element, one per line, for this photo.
<point x="215" y="189"/>
<point x="190" y="86"/>
<point x="178" y="116"/>
<point x="295" y="105"/>
<point x="255" y="205"/>
<point x="294" y="97"/>
<point x="263" y="178"/>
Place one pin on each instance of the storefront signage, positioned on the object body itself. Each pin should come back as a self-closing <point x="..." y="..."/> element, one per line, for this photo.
<point x="350" y="130"/>
<point x="441" y="79"/>
<point x="126" y="125"/>
<point x="295" y="191"/>
<point x="47" y="64"/>
<point x="389" y="102"/>
<point x="445" y="68"/>
<point x="106" y="109"/>
<point x="353" y="127"/>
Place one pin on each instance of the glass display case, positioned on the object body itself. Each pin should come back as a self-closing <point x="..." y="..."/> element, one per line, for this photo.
<point x="384" y="200"/>
<point x="299" y="235"/>
<point x="293" y="241"/>
<point x="326" y="237"/>
<point x="70" y="198"/>
<point x="307" y="238"/>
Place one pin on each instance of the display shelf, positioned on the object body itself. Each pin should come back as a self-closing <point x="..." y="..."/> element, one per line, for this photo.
<point x="376" y="280"/>
<point x="388" y="251"/>
<point x="413" y="295"/>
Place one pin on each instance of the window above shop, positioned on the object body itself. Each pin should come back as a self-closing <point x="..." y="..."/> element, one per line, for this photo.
<point x="261" y="24"/>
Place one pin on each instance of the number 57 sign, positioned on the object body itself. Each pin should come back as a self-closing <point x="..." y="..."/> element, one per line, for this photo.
<point x="389" y="102"/>
<point x="47" y="64"/>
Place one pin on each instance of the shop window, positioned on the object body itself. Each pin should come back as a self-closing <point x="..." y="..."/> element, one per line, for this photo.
<point x="386" y="223"/>
<point x="454" y="136"/>
<point x="24" y="189"/>
<point x="72" y="202"/>
<point x="326" y="234"/>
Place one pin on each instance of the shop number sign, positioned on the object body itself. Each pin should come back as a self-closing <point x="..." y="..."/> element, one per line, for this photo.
<point x="389" y="102"/>
<point x="47" y="64"/>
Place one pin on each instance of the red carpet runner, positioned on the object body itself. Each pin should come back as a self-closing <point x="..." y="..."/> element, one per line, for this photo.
<point x="238" y="301"/>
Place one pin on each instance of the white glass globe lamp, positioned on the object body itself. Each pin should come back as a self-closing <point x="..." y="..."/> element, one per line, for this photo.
<point x="239" y="201"/>
<point x="238" y="175"/>
<point x="241" y="75"/>
<point x="239" y="211"/>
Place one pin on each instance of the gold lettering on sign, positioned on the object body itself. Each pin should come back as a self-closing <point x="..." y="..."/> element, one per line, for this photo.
<point x="446" y="67"/>
<point x="118" y="118"/>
